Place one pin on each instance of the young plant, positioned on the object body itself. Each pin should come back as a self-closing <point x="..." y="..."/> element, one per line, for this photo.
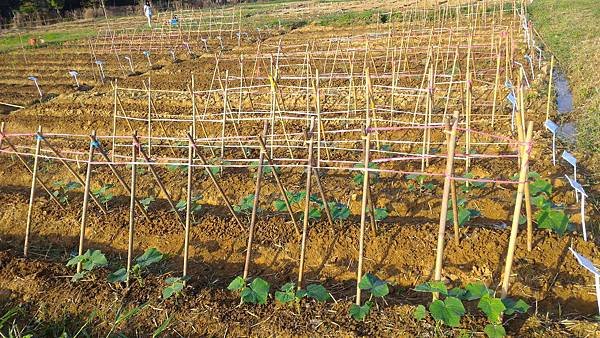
<point x="359" y="176"/>
<point x="147" y="201"/>
<point x="380" y="214"/>
<point x="338" y="210"/>
<point x="293" y="198"/>
<point x="196" y="207"/>
<point x="417" y="183"/>
<point x="102" y="194"/>
<point x="150" y="256"/>
<point x="287" y="293"/>
<point x="448" y="311"/>
<point x="548" y="215"/>
<point x="467" y="186"/>
<point x="464" y="214"/>
<point x="174" y="286"/>
<point x="255" y="292"/>
<point x="62" y="189"/>
<point x="245" y="205"/>
<point x="376" y="288"/>
<point x="266" y="169"/>
<point x="89" y="261"/>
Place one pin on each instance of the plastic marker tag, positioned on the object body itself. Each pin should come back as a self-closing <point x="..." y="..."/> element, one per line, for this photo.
<point x="73" y="73"/>
<point x="571" y="159"/>
<point x="586" y="263"/>
<point x="512" y="99"/>
<point x="551" y="126"/>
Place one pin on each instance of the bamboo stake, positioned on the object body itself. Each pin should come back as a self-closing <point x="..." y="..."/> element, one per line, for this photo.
<point x="496" y="84"/>
<point x="515" y="220"/>
<point x="444" y="211"/>
<point x="306" y="204"/>
<point x="522" y="148"/>
<point x="550" y="87"/>
<point x="86" y="194"/>
<point x="32" y="192"/>
<point x="279" y="184"/>
<point x="363" y="210"/>
<point x="259" y="174"/>
<point x="214" y="180"/>
<point x="453" y="192"/>
<point x="188" y="209"/>
<point x="136" y="146"/>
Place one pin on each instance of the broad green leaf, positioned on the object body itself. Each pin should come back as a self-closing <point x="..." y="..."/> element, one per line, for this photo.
<point x="236" y="284"/>
<point x="360" y="312"/>
<point x="553" y="219"/>
<point x="476" y="291"/>
<point x="97" y="258"/>
<point x="147" y="201"/>
<point x="339" y="210"/>
<point x="492" y="307"/>
<point x="448" y="311"/>
<point x="380" y="214"/>
<point x="513" y="306"/>
<point x="284" y="297"/>
<point x="458" y="293"/>
<point x="420" y="312"/>
<point x="279" y="205"/>
<point x="433" y="286"/>
<point x="377" y="287"/>
<point x="541" y="201"/>
<point x="540" y="186"/>
<point x="261" y="288"/>
<point x="150" y="256"/>
<point x="494" y="331"/>
<point x="318" y="292"/>
<point x="289" y="286"/>
<point x="172" y="289"/>
<point x="75" y="260"/>
<point x="118" y="276"/>
<point x="249" y="296"/>
<point x="78" y="276"/>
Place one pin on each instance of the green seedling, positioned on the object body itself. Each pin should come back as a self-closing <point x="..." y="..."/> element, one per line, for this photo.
<point x="287" y="293"/>
<point x="294" y="199"/>
<point x="150" y="256"/>
<point x="380" y="214"/>
<point x="147" y="201"/>
<point x="266" y="169"/>
<point x="256" y="292"/>
<point x="376" y="288"/>
<point x="139" y="170"/>
<point x="245" y="205"/>
<point x="417" y="183"/>
<point x="464" y="214"/>
<point x="339" y="211"/>
<point x="359" y="176"/>
<point x="196" y="207"/>
<point x="177" y="167"/>
<point x="548" y="215"/>
<point x="89" y="261"/>
<point x="174" y="286"/>
<point x="62" y="189"/>
<point x="102" y="194"/>
<point x="467" y="186"/>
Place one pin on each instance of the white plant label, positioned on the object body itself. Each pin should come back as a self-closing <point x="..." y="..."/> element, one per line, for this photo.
<point x="552" y="127"/>
<point x="567" y="156"/>
<point x="588" y="265"/>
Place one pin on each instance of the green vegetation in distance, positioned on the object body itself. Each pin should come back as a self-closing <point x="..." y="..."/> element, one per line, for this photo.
<point x="57" y="37"/>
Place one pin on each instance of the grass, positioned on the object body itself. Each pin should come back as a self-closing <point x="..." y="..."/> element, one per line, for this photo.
<point x="571" y="31"/>
<point x="56" y="37"/>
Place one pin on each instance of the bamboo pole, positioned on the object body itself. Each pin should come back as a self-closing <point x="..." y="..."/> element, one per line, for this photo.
<point x="550" y="87"/>
<point x="188" y="209"/>
<point x="306" y="204"/>
<point x="453" y="197"/>
<point x="214" y="180"/>
<point x="517" y="212"/>
<point x="32" y="192"/>
<point x="86" y="194"/>
<point x="444" y="211"/>
<point x="363" y="210"/>
<point x="259" y="174"/>
<point x="523" y="148"/>
<point x="282" y="190"/>
<point x="136" y="146"/>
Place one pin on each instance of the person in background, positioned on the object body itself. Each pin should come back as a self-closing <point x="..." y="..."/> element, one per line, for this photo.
<point x="148" y="13"/>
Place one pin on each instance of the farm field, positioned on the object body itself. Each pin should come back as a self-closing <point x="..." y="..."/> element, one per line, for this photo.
<point x="301" y="168"/>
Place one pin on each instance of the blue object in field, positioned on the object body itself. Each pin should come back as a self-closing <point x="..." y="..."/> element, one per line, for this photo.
<point x="174" y="22"/>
